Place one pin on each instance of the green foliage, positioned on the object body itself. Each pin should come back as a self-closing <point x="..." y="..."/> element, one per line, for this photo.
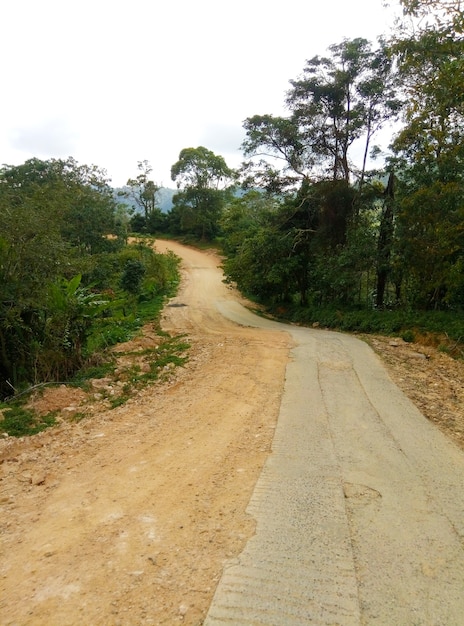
<point x="93" y="371"/>
<point x="132" y="276"/>
<point x="199" y="168"/>
<point x="440" y="327"/>
<point x="53" y="216"/>
<point x="142" y="191"/>
<point x="408" y="336"/>
<point x="160" y="360"/>
<point x="338" y="101"/>
<point x="18" y="421"/>
<point x="341" y="235"/>
<point x="204" y="178"/>
<point x="311" y="245"/>
<point x="48" y="334"/>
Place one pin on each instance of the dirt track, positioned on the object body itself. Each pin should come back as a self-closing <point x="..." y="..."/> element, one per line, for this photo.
<point x="128" y="517"/>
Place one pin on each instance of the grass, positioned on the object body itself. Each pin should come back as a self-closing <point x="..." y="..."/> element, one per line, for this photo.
<point x="19" y="421"/>
<point x="161" y="361"/>
<point x="442" y="329"/>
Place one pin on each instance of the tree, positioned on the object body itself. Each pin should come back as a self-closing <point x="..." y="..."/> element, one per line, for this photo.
<point x="203" y="178"/>
<point x="280" y="140"/>
<point x="53" y="215"/>
<point x="77" y="197"/>
<point x="338" y="101"/>
<point x="385" y="242"/>
<point x="144" y="194"/>
<point x="341" y="99"/>
<point x="429" y="150"/>
<point x="445" y="13"/>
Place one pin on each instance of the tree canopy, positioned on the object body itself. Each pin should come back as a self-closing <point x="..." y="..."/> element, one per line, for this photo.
<point x="203" y="179"/>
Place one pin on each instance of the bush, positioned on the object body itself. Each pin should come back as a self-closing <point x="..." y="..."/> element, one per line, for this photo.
<point x="132" y="276"/>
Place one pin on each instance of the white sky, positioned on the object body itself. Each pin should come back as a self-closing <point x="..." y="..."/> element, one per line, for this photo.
<point x="112" y="83"/>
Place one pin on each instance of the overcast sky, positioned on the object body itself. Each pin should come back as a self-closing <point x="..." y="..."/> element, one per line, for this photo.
<point x="112" y="83"/>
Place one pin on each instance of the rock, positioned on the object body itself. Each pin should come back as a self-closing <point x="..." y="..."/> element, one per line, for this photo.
<point x="183" y="610"/>
<point x="418" y="355"/>
<point x="38" y="479"/>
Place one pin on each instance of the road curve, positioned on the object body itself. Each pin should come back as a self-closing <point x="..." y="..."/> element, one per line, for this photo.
<point x="360" y="507"/>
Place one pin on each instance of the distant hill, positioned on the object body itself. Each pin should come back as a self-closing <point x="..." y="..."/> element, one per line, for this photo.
<point x="165" y="196"/>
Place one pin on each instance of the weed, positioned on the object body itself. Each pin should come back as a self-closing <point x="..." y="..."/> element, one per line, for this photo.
<point x="19" y="421"/>
<point x="78" y="417"/>
<point x="118" y="400"/>
<point x="94" y="371"/>
<point x="408" y="336"/>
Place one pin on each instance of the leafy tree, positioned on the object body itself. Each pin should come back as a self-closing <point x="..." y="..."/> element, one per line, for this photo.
<point x="429" y="151"/>
<point x="53" y="215"/>
<point x="203" y="178"/>
<point x="144" y="194"/>
<point x="444" y="13"/>
<point x="243" y="215"/>
<point x="279" y="140"/>
<point x="76" y="197"/>
<point x="263" y="265"/>
<point x="142" y="190"/>
<point x="339" y="100"/>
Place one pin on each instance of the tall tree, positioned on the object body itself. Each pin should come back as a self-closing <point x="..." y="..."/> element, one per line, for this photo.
<point x="203" y="179"/>
<point x="143" y="191"/>
<point x="339" y="100"/>
<point x="429" y="149"/>
<point x="385" y="241"/>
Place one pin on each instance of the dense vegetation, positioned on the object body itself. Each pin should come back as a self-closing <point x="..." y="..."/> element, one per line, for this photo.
<point x="70" y="286"/>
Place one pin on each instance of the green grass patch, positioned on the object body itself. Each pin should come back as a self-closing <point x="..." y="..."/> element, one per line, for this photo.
<point x="18" y="421"/>
<point x="94" y="371"/>
<point x="437" y="328"/>
<point x="161" y="360"/>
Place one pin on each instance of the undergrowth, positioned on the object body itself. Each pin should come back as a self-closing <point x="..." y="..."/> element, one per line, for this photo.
<point x="441" y="329"/>
<point x="122" y="320"/>
<point x="19" y="421"/>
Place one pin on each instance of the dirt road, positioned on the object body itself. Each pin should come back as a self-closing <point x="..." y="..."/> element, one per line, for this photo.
<point x="128" y="517"/>
<point x="131" y="516"/>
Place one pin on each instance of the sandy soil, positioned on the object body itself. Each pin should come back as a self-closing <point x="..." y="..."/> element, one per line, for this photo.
<point x="127" y="516"/>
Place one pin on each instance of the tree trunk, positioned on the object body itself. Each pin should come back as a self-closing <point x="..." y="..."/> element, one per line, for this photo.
<point x="384" y="244"/>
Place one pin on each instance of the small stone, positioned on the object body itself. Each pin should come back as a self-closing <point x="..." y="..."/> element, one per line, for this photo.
<point x="419" y="355"/>
<point x="38" y="479"/>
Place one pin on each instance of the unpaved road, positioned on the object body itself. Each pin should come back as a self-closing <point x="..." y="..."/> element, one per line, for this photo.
<point x="131" y="516"/>
<point x="127" y="517"/>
